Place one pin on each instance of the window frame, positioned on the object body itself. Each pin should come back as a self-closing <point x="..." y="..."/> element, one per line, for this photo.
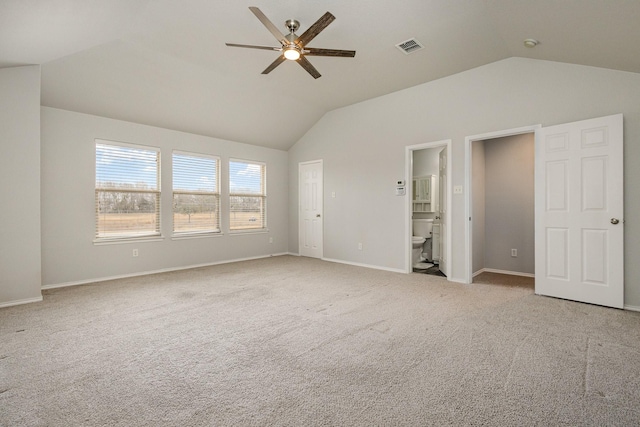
<point x="157" y="193"/>
<point x="216" y="193"/>
<point x="262" y="195"/>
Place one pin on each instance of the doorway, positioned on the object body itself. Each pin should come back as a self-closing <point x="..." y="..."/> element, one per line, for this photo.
<point x="443" y="189"/>
<point x="508" y="253"/>
<point x="503" y="205"/>
<point x="578" y="205"/>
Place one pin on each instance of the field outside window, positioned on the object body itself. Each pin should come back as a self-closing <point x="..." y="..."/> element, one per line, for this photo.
<point x="196" y="194"/>
<point x="127" y="194"/>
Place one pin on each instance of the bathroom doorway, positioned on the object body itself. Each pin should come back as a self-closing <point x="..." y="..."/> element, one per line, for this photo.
<point x="428" y="189"/>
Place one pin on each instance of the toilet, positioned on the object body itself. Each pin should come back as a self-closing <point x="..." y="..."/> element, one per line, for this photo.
<point x="422" y="229"/>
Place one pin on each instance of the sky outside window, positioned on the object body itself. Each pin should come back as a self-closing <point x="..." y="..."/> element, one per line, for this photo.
<point x="245" y="177"/>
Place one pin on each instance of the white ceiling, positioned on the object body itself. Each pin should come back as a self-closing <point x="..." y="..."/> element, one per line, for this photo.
<point x="164" y="62"/>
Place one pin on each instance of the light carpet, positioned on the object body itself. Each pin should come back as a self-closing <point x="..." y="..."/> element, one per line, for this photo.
<point x="297" y="341"/>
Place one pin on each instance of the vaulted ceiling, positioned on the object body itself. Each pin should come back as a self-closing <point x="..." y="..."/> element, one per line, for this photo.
<point x="164" y="62"/>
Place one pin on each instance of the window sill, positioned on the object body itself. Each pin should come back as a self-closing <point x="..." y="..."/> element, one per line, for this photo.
<point x="187" y="236"/>
<point x="124" y="240"/>
<point x="246" y="232"/>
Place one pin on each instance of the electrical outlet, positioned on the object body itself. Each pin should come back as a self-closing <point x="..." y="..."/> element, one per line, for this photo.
<point x="135" y="253"/>
<point x="270" y="239"/>
<point x="514" y="253"/>
<point x="359" y="246"/>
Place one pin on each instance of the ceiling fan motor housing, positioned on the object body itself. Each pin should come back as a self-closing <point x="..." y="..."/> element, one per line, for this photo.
<point x="292" y="25"/>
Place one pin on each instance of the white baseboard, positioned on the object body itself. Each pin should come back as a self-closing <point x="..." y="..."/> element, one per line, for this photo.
<point x="631" y="307"/>
<point x="20" y="301"/>
<point x="164" y="270"/>
<point x="357" y="264"/>
<point x="493" y="270"/>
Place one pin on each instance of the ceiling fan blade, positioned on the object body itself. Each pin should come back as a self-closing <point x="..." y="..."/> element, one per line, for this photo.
<point x="272" y="28"/>
<point x="307" y="66"/>
<point x="274" y="64"/>
<point x="315" y="29"/>
<point x="312" y="51"/>
<point x="250" y="46"/>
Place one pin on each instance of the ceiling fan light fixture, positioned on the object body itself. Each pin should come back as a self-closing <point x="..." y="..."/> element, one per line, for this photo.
<point x="292" y="54"/>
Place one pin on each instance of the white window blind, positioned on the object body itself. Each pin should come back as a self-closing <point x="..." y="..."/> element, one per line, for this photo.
<point x="196" y="194"/>
<point x="247" y="195"/>
<point x="127" y="191"/>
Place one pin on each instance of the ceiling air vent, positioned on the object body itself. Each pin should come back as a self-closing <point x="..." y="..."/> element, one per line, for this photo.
<point x="410" y="46"/>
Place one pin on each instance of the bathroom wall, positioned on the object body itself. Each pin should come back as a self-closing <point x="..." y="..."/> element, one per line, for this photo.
<point x="427" y="162"/>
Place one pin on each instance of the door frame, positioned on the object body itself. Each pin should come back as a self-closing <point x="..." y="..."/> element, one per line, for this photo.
<point x="409" y="205"/>
<point x="300" y="225"/>
<point x="468" y="163"/>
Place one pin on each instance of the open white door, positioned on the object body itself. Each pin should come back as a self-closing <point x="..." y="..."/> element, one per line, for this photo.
<point x="579" y="208"/>
<point x="310" y="213"/>
<point x="444" y="231"/>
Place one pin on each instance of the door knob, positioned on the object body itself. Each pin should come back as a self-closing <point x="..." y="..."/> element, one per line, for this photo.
<point x="318" y="216"/>
<point x="614" y="221"/>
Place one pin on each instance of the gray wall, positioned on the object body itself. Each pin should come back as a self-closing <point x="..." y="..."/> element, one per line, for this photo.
<point x="68" y="216"/>
<point x="363" y="148"/>
<point x="478" y="208"/>
<point x="509" y="203"/>
<point x="20" y="185"/>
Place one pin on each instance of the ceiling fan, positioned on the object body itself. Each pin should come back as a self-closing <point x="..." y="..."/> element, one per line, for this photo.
<point x="295" y="48"/>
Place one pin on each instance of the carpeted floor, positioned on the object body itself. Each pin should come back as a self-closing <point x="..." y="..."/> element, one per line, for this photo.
<point x="297" y="341"/>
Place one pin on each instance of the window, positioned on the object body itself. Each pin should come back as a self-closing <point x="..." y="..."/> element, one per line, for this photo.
<point x="196" y="194"/>
<point x="127" y="191"/>
<point x="247" y="195"/>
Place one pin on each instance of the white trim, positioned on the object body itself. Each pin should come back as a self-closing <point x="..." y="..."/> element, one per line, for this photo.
<point x="494" y="270"/>
<point x="246" y="232"/>
<point x="132" y="145"/>
<point x="187" y="236"/>
<point x="632" y="307"/>
<point x="358" y="264"/>
<point x="408" y="214"/>
<point x="163" y="270"/>
<point x="129" y="239"/>
<point x="20" y="302"/>
<point x="468" y="229"/>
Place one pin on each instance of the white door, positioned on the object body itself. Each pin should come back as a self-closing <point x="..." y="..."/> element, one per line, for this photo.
<point x="579" y="225"/>
<point x="442" y="183"/>
<point x="310" y="214"/>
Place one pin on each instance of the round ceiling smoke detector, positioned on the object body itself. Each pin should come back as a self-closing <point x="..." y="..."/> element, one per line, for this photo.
<point x="531" y="42"/>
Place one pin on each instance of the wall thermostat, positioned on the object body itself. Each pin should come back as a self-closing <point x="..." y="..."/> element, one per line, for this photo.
<point x="400" y="190"/>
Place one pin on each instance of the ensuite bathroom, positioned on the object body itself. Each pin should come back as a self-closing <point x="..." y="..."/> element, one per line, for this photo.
<point x="426" y="210"/>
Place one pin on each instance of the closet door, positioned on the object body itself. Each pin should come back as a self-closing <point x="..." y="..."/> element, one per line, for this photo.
<point x="579" y="208"/>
